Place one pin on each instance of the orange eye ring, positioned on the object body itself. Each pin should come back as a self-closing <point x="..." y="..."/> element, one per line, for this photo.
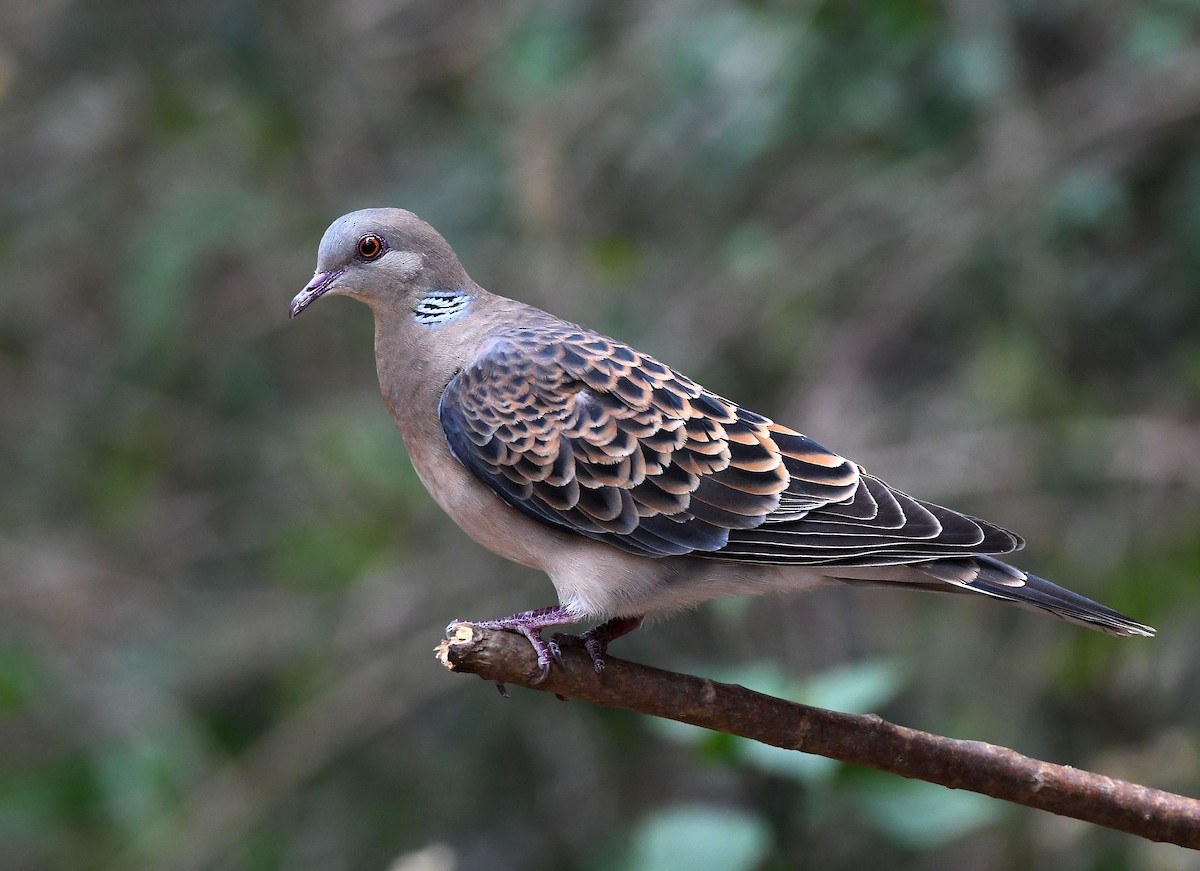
<point x="370" y="247"/>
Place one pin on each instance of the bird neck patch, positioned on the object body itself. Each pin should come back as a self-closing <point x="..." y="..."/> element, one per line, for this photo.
<point x="439" y="306"/>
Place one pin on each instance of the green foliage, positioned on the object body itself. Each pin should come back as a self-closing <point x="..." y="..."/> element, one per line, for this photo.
<point x="924" y="815"/>
<point x="700" y="837"/>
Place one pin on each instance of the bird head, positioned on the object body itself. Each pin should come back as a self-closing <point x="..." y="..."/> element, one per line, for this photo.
<point x="383" y="257"/>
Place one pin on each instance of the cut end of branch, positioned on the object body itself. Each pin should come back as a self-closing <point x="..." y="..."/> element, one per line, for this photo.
<point x="458" y="635"/>
<point x="493" y="654"/>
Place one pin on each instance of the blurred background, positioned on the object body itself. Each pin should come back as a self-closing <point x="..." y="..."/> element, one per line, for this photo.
<point x="959" y="242"/>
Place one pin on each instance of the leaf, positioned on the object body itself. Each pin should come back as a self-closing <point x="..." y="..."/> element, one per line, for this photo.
<point x="857" y="688"/>
<point x="925" y="815"/>
<point x="700" y="838"/>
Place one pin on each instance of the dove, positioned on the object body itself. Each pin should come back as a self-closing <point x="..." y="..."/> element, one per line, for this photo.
<point x="636" y="490"/>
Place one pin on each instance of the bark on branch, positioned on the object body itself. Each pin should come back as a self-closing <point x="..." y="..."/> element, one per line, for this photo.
<point x="862" y="739"/>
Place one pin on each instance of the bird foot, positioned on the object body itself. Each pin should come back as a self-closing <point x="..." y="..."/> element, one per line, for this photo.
<point x="530" y="624"/>
<point x="596" y="640"/>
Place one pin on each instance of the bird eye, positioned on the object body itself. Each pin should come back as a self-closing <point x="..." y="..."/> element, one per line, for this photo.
<point x="370" y="247"/>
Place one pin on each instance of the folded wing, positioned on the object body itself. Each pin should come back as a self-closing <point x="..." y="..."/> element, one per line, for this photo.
<point x="586" y="434"/>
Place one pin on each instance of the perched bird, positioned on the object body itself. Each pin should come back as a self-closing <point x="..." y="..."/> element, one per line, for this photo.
<point x="634" y="488"/>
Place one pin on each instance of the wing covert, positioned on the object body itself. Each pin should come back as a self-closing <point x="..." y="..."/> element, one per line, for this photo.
<point x="586" y="434"/>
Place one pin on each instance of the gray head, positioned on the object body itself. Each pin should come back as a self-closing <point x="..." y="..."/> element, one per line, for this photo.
<point x="383" y="257"/>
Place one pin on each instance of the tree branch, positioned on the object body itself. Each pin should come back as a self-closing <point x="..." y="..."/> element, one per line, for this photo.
<point x="863" y="739"/>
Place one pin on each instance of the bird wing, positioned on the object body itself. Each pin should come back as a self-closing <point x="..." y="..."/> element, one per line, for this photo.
<point x="877" y="526"/>
<point x="586" y="434"/>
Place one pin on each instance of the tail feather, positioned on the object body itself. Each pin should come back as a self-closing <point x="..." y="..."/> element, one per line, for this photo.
<point x="991" y="577"/>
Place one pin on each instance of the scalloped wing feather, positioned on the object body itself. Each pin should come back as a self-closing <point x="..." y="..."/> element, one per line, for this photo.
<point x="586" y="434"/>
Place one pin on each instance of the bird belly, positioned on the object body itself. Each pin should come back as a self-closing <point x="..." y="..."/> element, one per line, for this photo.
<point x="599" y="581"/>
<point x="478" y="511"/>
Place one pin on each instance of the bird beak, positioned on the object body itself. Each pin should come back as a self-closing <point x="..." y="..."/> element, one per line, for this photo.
<point x="320" y="283"/>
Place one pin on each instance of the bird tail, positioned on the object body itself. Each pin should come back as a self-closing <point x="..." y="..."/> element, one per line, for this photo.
<point x="991" y="577"/>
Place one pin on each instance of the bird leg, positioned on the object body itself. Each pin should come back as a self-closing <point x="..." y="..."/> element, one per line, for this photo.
<point x="530" y="624"/>
<point x="597" y="639"/>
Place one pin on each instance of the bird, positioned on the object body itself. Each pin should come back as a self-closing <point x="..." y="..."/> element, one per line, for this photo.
<point x="635" y="489"/>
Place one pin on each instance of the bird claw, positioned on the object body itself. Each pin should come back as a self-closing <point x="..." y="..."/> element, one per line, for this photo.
<point x="595" y="647"/>
<point x="596" y="640"/>
<point x="530" y="624"/>
<point x="548" y="654"/>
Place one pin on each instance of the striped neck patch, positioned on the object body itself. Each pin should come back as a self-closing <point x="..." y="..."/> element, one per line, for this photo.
<point x="439" y="306"/>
